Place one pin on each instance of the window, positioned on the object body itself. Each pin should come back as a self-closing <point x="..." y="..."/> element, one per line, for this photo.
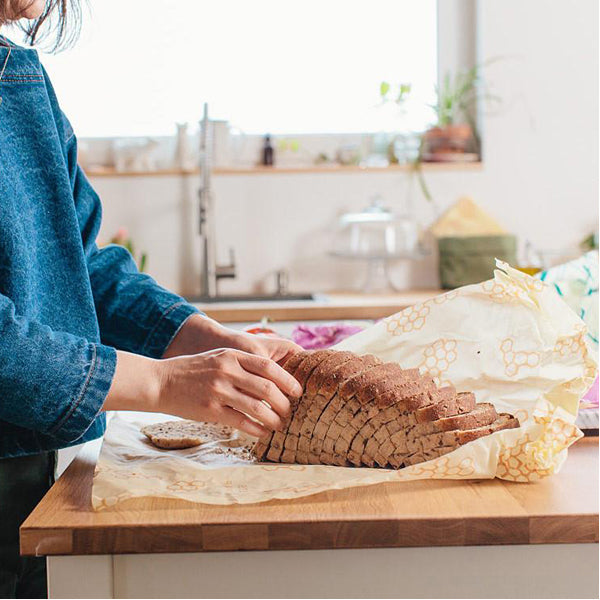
<point x="264" y="65"/>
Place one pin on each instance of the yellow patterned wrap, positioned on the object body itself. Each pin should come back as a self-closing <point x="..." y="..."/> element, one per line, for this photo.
<point x="516" y="344"/>
<point x="512" y="341"/>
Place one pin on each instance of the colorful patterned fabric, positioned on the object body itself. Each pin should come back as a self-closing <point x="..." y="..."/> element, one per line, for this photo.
<point x="577" y="283"/>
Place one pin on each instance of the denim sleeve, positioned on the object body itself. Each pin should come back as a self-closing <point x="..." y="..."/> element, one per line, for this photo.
<point x="50" y="381"/>
<point x="134" y="312"/>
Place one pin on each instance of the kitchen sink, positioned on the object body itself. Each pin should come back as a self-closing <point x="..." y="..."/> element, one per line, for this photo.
<point x="251" y="298"/>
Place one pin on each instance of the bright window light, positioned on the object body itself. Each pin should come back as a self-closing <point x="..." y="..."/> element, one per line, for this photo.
<point x="265" y="66"/>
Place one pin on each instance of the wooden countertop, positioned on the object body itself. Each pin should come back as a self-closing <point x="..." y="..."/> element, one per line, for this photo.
<point x="338" y="305"/>
<point x="559" y="509"/>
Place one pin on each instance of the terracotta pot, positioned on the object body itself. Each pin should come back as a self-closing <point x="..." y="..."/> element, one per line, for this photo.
<point x="451" y="138"/>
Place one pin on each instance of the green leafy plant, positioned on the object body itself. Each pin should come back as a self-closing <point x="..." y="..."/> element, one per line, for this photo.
<point x="418" y="171"/>
<point x="396" y="94"/>
<point x="458" y="97"/>
<point x="286" y="144"/>
<point x="455" y="97"/>
<point x="590" y="242"/>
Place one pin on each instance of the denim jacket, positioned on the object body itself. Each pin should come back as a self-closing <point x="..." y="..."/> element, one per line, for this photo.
<point x="65" y="304"/>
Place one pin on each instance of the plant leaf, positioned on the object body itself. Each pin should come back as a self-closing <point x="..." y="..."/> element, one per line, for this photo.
<point x="384" y="88"/>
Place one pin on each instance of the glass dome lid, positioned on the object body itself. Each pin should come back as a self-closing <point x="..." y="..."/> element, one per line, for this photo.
<point x="374" y="213"/>
<point x="375" y="232"/>
<point x="378" y="236"/>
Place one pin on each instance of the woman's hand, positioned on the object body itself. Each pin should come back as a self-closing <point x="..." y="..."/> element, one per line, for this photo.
<point x="221" y="386"/>
<point x="224" y="386"/>
<point x="200" y="334"/>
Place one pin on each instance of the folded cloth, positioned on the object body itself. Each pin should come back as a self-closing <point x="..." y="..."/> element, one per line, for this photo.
<point x="323" y="336"/>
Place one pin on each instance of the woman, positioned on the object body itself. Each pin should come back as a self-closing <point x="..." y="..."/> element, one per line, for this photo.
<point x="81" y="330"/>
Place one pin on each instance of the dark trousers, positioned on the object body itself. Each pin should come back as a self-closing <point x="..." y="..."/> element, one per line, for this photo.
<point x="23" y="483"/>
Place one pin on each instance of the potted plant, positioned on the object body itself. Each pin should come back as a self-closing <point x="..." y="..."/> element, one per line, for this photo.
<point x="454" y="136"/>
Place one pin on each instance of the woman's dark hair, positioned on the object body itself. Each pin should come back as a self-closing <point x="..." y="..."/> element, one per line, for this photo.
<point x="58" y="25"/>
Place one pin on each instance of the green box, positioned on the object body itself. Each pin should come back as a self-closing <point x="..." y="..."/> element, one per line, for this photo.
<point x="466" y="260"/>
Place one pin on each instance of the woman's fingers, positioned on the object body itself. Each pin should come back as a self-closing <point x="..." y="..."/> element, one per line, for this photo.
<point x="271" y="371"/>
<point x="259" y="389"/>
<point x="233" y="418"/>
<point x="255" y="408"/>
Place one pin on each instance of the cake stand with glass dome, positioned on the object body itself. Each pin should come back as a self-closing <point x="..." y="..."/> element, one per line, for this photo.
<point x="377" y="237"/>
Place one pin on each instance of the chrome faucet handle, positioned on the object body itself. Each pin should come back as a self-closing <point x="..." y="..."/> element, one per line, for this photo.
<point x="282" y="279"/>
<point x="227" y="271"/>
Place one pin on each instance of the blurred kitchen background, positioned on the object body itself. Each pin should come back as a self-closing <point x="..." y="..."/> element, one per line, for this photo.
<point x="320" y="110"/>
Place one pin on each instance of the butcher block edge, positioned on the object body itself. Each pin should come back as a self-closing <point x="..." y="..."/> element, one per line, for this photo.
<point x="559" y="509"/>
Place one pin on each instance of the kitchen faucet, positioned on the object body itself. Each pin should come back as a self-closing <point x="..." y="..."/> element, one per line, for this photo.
<point x="211" y="271"/>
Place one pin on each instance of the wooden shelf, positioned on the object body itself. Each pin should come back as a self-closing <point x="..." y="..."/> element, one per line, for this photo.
<point x="336" y="169"/>
<point x="106" y="172"/>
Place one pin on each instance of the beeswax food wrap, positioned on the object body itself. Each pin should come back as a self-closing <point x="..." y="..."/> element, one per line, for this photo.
<point x="511" y="340"/>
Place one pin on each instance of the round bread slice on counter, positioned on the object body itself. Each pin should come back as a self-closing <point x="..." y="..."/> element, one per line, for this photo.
<point x="176" y="435"/>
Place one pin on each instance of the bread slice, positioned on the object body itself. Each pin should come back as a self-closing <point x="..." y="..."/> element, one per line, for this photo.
<point x="326" y="366"/>
<point x="176" y="435"/>
<point x="448" y="406"/>
<point x="438" y="444"/>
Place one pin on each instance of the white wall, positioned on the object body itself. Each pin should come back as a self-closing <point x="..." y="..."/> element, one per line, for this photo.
<point x="540" y="175"/>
